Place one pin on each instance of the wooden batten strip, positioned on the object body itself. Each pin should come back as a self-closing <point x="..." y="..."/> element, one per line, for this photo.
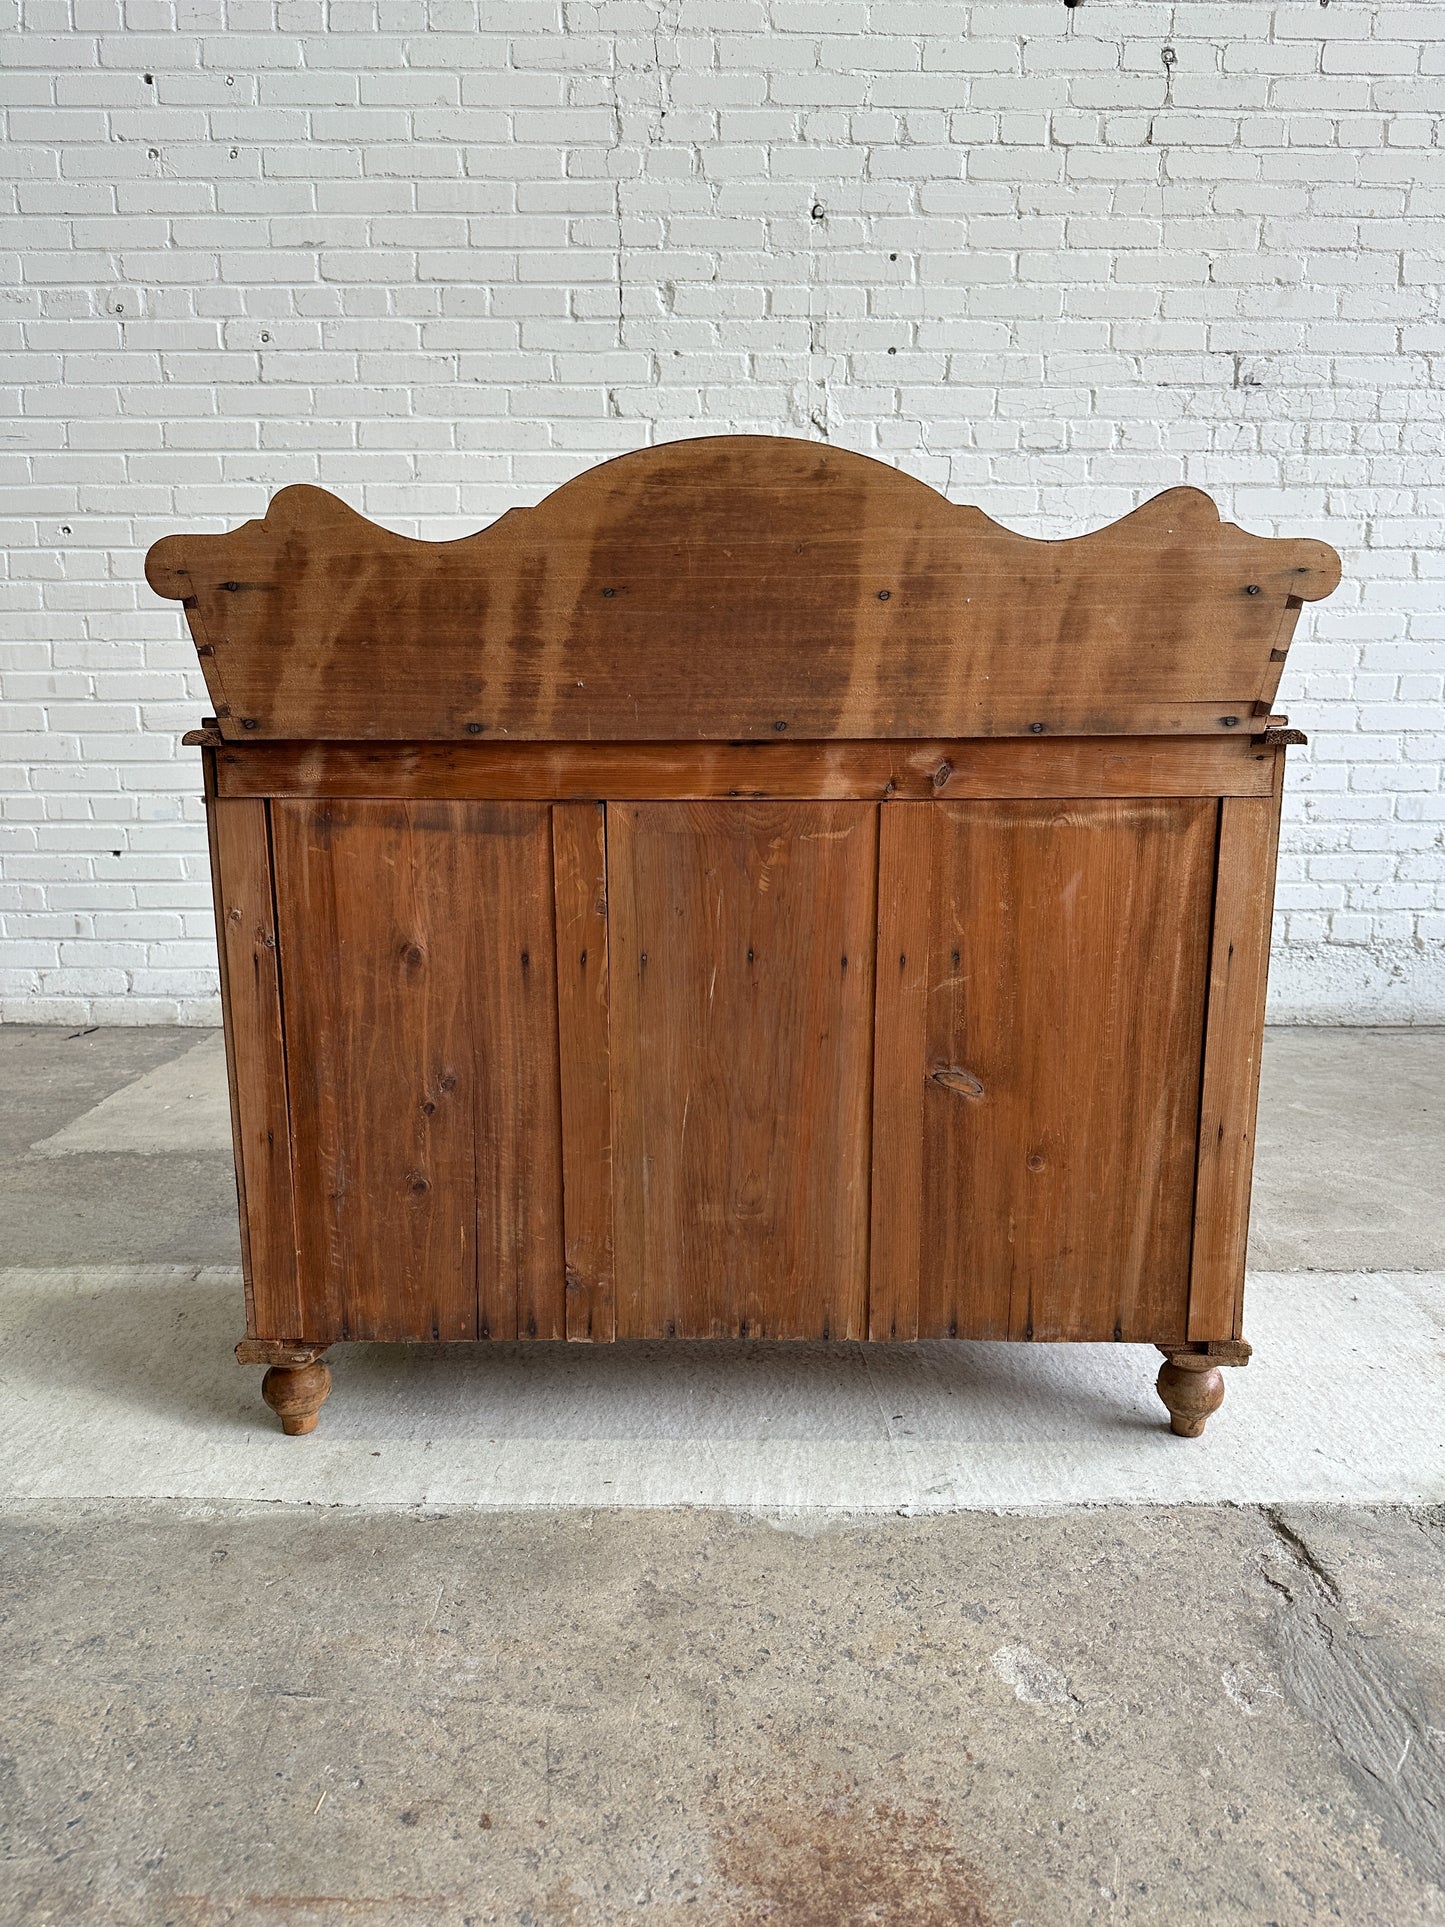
<point x="1234" y="1020"/>
<point x="579" y="846"/>
<point x="870" y="771"/>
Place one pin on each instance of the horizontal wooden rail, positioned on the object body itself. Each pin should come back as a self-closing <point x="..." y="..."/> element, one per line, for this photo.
<point x="871" y="771"/>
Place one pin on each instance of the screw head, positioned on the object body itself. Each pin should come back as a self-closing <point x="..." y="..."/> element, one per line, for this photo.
<point x="1252" y="588"/>
<point x="1229" y="721"/>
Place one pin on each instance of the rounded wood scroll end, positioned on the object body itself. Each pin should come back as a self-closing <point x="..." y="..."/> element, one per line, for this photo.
<point x="1192" y="1387"/>
<point x="165" y="568"/>
<point x="296" y="1394"/>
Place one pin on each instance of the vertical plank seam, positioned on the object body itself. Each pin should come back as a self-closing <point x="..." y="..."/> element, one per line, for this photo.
<point x="867" y="1308"/>
<point x="930" y="823"/>
<point x="557" y="967"/>
<point x="560" y="965"/>
<point x="615" y="1098"/>
<point x="1209" y="1005"/>
<point x="474" y="1086"/>
<point x="285" y="1061"/>
<point x="610" y="1225"/>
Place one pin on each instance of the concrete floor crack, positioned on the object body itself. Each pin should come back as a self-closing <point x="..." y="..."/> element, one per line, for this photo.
<point x="1363" y="1696"/>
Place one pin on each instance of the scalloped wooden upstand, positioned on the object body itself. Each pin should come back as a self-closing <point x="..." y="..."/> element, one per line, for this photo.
<point x="743" y="896"/>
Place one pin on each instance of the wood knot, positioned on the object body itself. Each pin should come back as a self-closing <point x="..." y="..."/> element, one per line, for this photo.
<point x="953" y="1079"/>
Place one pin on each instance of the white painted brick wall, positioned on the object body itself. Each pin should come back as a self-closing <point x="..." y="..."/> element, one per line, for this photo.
<point x="440" y="257"/>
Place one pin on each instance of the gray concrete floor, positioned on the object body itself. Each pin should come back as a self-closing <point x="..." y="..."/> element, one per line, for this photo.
<point x="241" y="1713"/>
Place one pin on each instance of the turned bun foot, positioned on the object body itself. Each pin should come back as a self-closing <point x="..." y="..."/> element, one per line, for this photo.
<point x="296" y="1394"/>
<point x="1192" y="1386"/>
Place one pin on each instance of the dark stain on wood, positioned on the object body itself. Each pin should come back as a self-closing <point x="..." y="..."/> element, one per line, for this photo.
<point x="720" y="632"/>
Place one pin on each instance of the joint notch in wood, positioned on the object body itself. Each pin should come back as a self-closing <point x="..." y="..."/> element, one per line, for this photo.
<point x="278" y="1351"/>
<point x="1219" y="1351"/>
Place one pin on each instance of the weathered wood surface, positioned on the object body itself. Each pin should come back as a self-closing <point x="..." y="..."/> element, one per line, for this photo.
<point x="741" y="961"/>
<point x="868" y="771"/>
<point x="900" y="1051"/>
<point x="420" y="993"/>
<point x="1233" y="1038"/>
<point x="738" y="587"/>
<point x="256" y="1064"/>
<point x="1034" y="1160"/>
<point x="579" y="843"/>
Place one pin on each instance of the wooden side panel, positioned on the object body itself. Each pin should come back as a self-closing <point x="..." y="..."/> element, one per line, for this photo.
<point x="1068" y="948"/>
<point x="1234" y="1034"/>
<point x="1231" y="765"/>
<point x="905" y="898"/>
<point x="417" y="948"/>
<point x="256" y="1057"/>
<point x="521" y="1277"/>
<point x="579" y="843"/>
<point x="741" y="957"/>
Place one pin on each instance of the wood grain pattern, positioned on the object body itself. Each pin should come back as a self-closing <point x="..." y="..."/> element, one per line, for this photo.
<point x="256" y="1057"/>
<point x="869" y="771"/>
<point x="900" y="1047"/>
<point x="742" y="991"/>
<point x="417" y="947"/>
<point x="1068" y="947"/>
<point x="737" y="586"/>
<point x="579" y="842"/>
<point x="1234" y="1034"/>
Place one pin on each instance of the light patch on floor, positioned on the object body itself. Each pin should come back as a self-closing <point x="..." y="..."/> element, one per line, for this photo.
<point x="118" y="1383"/>
<point x="180" y="1107"/>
